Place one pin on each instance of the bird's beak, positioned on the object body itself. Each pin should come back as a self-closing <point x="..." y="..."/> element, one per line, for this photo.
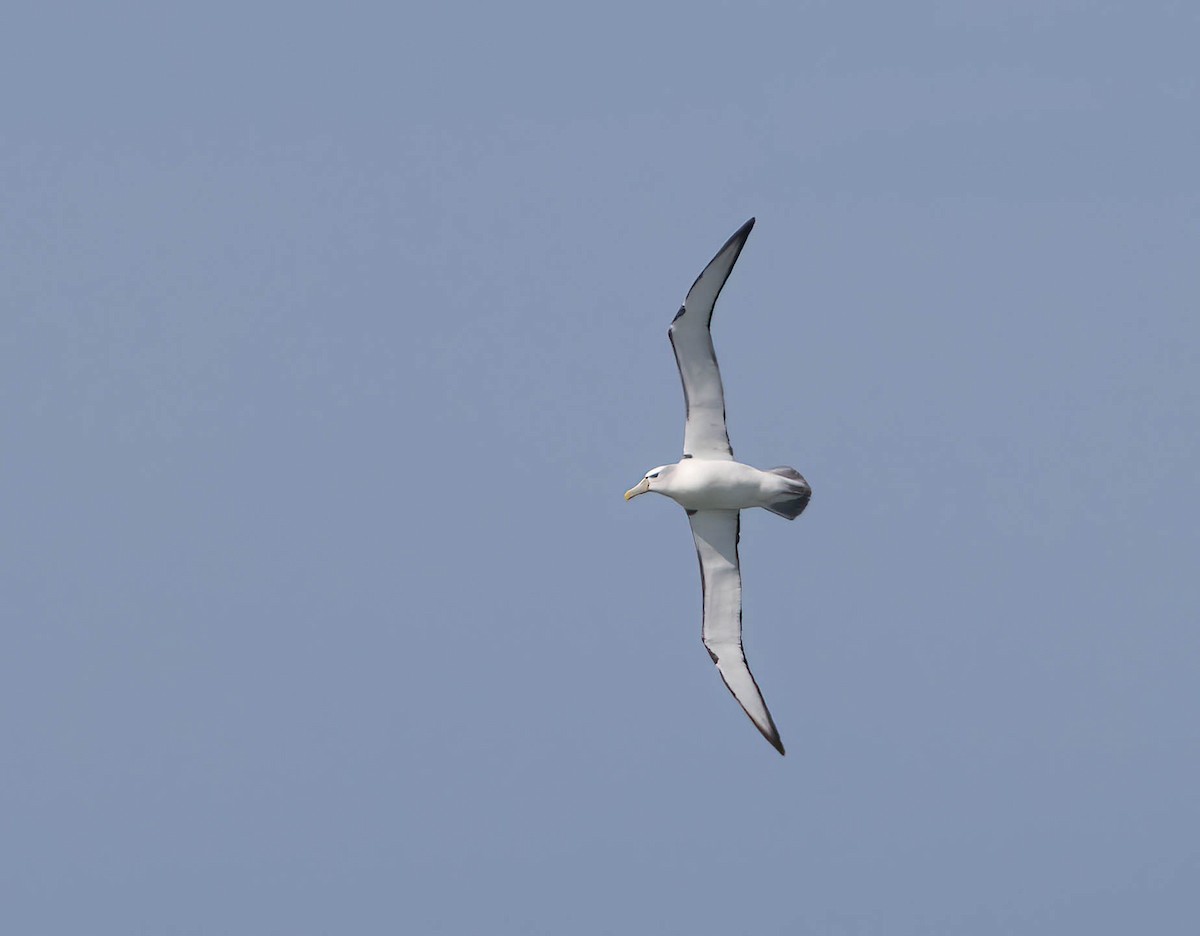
<point x="642" y="488"/>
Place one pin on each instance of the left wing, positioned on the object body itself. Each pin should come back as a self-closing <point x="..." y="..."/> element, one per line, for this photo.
<point x="704" y="435"/>
<point x="717" y="533"/>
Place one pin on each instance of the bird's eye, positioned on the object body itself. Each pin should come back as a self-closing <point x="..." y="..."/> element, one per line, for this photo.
<point x="653" y="474"/>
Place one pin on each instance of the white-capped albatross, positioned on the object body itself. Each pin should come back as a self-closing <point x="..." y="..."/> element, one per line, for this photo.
<point x="713" y="488"/>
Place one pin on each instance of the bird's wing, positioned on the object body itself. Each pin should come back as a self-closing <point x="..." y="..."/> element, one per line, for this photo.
<point x="705" y="435"/>
<point x="717" y="533"/>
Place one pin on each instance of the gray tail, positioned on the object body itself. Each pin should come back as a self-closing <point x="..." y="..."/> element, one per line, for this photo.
<point x="792" y="497"/>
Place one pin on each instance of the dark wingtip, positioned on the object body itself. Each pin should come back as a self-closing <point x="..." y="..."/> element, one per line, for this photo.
<point x="773" y="737"/>
<point x="740" y="234"/>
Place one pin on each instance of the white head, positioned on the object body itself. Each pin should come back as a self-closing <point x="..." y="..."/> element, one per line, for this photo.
<point x="654" y="475"/>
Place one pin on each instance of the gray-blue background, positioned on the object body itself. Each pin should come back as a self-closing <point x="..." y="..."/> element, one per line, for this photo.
<point x="332" y="335"/>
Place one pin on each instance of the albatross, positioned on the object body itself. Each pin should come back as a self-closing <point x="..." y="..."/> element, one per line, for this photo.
<point x="714" y="488"/>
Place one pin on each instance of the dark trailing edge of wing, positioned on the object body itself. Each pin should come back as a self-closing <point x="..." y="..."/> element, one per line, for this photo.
<point x="687" y="400"/>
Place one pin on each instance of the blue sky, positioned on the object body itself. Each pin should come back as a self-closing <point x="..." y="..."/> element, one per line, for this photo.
<point x="331" y="337"/>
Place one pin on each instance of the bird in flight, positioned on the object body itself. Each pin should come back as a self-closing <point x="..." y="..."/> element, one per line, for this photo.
<point x="714" y="489"/>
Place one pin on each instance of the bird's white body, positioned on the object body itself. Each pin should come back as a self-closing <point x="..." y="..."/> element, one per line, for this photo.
<point x="703" y="484"/>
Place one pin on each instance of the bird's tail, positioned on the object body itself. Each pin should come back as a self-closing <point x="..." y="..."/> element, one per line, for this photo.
<point x="792" y="496"/>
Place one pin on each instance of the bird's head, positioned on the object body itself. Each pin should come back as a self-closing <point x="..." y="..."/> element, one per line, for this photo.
<point x="653" y="476"/>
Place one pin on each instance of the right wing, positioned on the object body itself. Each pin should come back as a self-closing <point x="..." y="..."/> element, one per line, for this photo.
<point x="717" y="533"/>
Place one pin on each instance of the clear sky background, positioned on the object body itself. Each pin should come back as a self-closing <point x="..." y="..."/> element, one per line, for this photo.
<point x="332" y="335"/>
